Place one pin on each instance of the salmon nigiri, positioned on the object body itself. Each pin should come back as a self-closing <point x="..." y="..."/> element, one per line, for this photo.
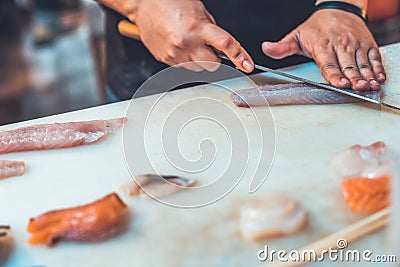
<point x="57" y="135"/>
<point x="92" y="222"/>
<point x="367" y="195"/>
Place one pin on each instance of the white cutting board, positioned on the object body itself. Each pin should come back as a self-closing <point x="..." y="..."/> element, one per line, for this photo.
<point x="306" y="139"/>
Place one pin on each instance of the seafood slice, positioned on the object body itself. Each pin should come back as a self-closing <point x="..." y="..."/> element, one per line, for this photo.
<point x="92" y="222"/>
<point x="292" y="94"/>
<point x="156" y="186"/>
<point x="366" y="195"/>
<point x="57" y="135"/>
<point x="359" y="160"/>
<point x="11" y="168"/>
<point x="274" y="214"/>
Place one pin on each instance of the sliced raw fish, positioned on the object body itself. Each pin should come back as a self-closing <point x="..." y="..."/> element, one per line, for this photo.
<point x="292" y="94"/>
<point x="57" y="135"/>
<point x="156" y="186"/>
<point x="359" y="160"/>
<point x="367" y="195"/>
<point x="11" y="168"/>
<point x="272" y="215"/>
<point x="92" y="222"/>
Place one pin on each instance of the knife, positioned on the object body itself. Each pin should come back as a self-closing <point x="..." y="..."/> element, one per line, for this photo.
<point x="130" y="30"/>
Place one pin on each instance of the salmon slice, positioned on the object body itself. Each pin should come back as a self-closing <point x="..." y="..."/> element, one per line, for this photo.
<point x="11" y="168"/>
<point x="367" y="195"/>
<point x="92" y="222"/>
<point x="57" y="135"/>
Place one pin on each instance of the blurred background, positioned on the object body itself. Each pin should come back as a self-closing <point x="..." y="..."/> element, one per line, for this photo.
<point x="63" y="55"/>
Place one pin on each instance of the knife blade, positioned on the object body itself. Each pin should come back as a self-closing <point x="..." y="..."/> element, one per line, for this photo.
<point x="130" y="30"/>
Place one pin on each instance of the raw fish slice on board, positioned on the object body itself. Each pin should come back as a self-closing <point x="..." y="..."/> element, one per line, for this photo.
<point x="293" y="94"/>
<point x="57" y="135"/>
<point x="11" y="168"/>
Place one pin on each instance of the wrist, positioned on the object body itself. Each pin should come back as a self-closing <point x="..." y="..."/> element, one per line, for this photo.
<point x="363" y="4"/>
<point x="127" y="8"/>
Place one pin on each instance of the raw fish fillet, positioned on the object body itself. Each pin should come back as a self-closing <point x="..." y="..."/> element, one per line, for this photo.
<point x="57" y="135"/>
<point x="272" y="215"/>
<point x="92" y="222"/>
<point x="292" y="94"/>
<point x="11" y="168"/>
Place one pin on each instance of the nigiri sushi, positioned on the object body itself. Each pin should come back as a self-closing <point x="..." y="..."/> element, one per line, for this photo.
<point x="92" y="222"/>
<point x="272" y="215"/>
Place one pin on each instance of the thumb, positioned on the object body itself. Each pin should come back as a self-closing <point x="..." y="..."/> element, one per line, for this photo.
<point x="286" y="47"/>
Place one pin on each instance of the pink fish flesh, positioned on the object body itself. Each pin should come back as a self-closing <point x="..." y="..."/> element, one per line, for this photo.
<point x="11" y="168"/>
<point x="292" y="94"/>
<point x="362" y="161"/>
<point x="57" y="135"/>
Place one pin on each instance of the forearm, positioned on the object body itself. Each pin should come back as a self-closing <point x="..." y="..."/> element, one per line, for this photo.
<point x="127" y="8"/>
<point x="363" y="4"/>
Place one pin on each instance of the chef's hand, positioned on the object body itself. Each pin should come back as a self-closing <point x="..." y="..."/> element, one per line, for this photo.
<point x="341" y="45"/>
<point x="177" y="31"/>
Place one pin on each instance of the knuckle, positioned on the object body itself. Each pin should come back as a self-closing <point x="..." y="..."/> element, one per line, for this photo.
<point x="329" y="68"/>
<point x="178" y="40"/>
<point x="225" y="41"/>
<point x="364" y="66"/>
<point x="170" y="54"/>
<point x="349" y="68"/>
<point x="323" y="42"/>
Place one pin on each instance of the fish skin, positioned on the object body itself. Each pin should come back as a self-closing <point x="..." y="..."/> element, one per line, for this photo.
<point x="156" y="186"/>
<point x="292" y="94"/>
<point x="11" y="168"/>
<point x="57" y="135"/>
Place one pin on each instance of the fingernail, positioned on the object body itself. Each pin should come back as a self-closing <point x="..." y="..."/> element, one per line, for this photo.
<point x="373" y="83"/>
<point x="344" y="82"/>
<point x="363" y="84"/>
<point x="382" y="76"/>
<point x="247" y="65"/>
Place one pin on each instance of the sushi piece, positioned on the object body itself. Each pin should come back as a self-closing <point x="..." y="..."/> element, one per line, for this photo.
<point x="293" y="94"/>
<point x="359" y="160"/>
<point x="11" y="168"/>
<point x="57" y="135"/>
<point x="367" y="195"/>
<point x="156" y="186"/>
<point x="367" y="175"/>
<point x="273" y="215"/>
<point x="96" y="221"/>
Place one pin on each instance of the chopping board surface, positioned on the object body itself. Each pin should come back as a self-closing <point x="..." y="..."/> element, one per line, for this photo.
<point x="306" y="138"/>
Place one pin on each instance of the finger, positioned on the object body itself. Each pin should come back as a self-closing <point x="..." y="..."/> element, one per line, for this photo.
<point x="326" y="60"/>
<point x="286" y="47"/>
<point x="349" y="67"/>
<point x="206" y="58"/>
<point x="223" y="41"/>
<point x="375" y="60"/>
<point x="365" y="69"/>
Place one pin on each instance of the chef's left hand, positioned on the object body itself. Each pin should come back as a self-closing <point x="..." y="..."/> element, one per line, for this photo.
<point x="341" y="45"/>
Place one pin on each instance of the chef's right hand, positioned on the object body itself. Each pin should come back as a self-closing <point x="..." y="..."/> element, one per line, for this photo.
<point x="177" y="31"/>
